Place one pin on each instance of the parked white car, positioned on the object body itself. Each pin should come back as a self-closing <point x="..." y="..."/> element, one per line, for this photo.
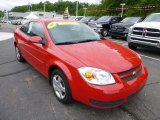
<point x="146" y="33"/>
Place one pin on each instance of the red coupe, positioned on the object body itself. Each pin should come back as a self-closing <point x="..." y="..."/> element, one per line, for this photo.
<point x="79" y="63"/>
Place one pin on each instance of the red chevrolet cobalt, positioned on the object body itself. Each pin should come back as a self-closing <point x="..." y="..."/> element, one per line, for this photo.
<point x="79" y="63"/>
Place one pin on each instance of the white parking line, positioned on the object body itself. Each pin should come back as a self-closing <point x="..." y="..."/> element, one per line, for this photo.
<point x="5" y="36"/>
<point x="149" y="57"/>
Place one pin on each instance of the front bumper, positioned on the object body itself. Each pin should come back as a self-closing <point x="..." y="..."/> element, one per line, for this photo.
<point x="97" y="29"/>
<point x="109" y="96"/>
<point x="118" y="34"/>
<point x="139" y="40"/>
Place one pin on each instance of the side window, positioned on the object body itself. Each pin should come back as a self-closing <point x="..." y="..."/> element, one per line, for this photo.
<point x="24" y="28"/>
<point x="114" y="19"/>
<point x="35" y="29"/>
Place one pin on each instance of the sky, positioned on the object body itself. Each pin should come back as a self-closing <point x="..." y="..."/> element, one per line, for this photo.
<point x="9" y="4"/>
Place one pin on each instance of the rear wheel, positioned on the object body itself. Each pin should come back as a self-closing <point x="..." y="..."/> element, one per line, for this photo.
<point x="61" y="87"/>
<point x="18" y="55"/>
<point x="132" y="46"/>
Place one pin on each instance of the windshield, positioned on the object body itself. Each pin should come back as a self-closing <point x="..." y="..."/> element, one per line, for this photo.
<point x="104" y="18"/>
<point x="153" y="18"/>
<point x="131" y="20"/>
<point x="71" y="32"/>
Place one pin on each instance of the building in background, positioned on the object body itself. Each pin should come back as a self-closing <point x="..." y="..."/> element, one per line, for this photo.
<point x="20" y="15"/>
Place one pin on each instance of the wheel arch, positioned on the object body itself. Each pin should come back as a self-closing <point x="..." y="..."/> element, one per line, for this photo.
<point x="15" y="43"/>
<point x="106" y="26"/>
<point x="62" y="67"/>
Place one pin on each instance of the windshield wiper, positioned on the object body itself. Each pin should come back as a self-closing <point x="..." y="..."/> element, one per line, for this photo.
<point x="89" y="40"/>
<point x="65" y="43"/>
<point x="75" y="42"/>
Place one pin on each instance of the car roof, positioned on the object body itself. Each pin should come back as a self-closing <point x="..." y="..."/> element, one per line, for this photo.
<point x="132" y="17"/>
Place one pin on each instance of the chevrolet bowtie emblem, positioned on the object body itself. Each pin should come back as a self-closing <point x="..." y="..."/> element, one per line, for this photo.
<point x="134" y="73"/>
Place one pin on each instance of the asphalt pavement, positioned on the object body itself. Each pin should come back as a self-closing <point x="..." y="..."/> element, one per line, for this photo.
<point x="26" y="95"/>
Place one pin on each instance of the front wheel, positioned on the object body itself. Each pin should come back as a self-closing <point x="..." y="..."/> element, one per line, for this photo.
<point x="105" y="32"/>
<point x="18" y="55"/>
<point x="61" y="87"/>
<point x="132" y="46"/>
<point x="113" y="37"/>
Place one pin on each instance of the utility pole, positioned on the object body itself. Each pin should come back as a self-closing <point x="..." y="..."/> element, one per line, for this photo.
<point x="30" y="6"/>
<point x="122" y="4"/>
<point x="85" y="9"/>
<point x="44" y="10"/>
<point x="77" y="9"/>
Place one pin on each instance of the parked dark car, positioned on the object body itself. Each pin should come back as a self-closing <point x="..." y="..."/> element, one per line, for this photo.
<point x="76" y="18"/>
<point x="102" y="25"/>
<point x="121" y="29"/>
<point x="16" y="22"/>
<point x="88" y="19"/>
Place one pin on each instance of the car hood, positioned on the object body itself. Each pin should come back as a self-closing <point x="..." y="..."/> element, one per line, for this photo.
<point x="123" y="24"/>
<point x="100" y="22"/>
<point x="103" y="54"/>
<point x="155" y="25"/>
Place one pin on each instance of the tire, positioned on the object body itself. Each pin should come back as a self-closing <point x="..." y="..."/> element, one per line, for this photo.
<point x="132" y="46"/>
<point x="124" y="38"/>
<point x="113" y="37"/>
<point x="105" y="32"/>
<point x="61" y="87"/>
<point x="19" y="57"/>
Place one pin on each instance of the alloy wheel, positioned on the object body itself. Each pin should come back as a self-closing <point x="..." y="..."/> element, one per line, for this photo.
<point x="59" y="86"/>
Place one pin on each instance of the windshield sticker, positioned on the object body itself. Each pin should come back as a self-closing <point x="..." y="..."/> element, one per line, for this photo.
<point x="54" y="24"/>
<point x="51" y="25"/>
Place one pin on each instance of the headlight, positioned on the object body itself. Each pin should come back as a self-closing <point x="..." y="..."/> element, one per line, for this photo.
<point x="99" y="25"/>
<point x="130" y="30"/>
<point x="96" y="76"/>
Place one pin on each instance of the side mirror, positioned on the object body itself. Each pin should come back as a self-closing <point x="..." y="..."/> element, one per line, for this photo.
<point x="37" y="39"/>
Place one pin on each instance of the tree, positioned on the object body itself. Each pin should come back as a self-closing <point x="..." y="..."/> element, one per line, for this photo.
<point x="107" y="7"/>
<point x="1" y="14"/>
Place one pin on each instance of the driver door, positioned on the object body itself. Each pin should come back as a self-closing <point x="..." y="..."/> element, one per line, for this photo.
<point x="37" y="52"/>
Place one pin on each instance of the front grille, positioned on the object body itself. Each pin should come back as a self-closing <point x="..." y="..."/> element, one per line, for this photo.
<point x="120" y="29"/>
<point x="129" y="71"/>
<point x="138" y="28"/>
<point x="132" y="77"/>
<point x="137" y="32"/>
<point x="153" y="34"/>
<point x="146" y="32"/>
<point x="153" y="30"/>
<point x="130" y="74"/>
<point x="117" y="28"/>
<point x="151" y="41"/>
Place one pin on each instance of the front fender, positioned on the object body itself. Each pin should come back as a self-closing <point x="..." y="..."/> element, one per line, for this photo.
<point x="64" y="68"/>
